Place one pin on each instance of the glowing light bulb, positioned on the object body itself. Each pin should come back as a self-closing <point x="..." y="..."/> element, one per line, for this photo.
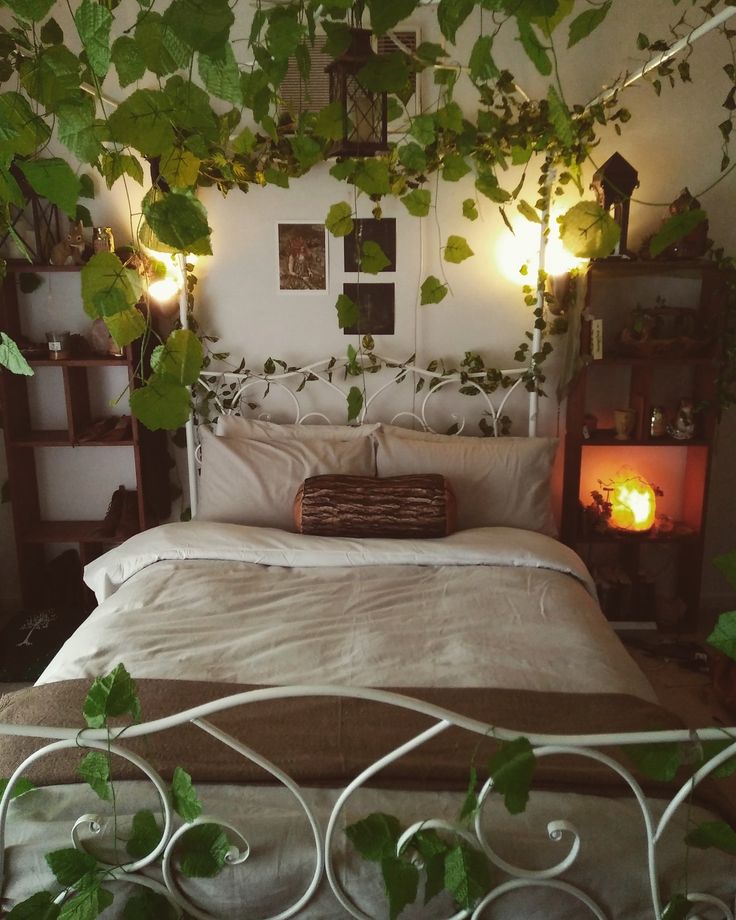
<point x="163" y="290"/>
<point x="521" y="248"/>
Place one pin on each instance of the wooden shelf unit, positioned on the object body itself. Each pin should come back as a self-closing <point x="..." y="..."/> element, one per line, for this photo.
<point x="642" y="380"/>
<point x="148" y="449"/>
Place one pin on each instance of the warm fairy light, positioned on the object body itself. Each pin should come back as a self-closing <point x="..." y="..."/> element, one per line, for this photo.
<point x="633" y="502"/>
<point x="521" y="248"/>
<point x="164" y="290"/>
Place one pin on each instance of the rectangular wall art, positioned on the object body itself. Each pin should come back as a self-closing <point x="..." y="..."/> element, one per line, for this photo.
<point x="376" y="305"/>
<point x="370" y="230"/>
<point x="302" y="248"/>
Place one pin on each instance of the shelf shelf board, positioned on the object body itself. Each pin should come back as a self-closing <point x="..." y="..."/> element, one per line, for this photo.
<point x="42" y="438"/>
<point x="606" y="438"/>
<point x="650" y="361"/>
<point x="79" y="362"/>
<point x="624" y="539"/>
<point x="67" y="532"/>
<point x="629" y="267"/>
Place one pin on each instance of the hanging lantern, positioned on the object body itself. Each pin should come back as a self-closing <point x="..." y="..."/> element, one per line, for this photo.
<point x="614" y="184"/>
<point x="633" y="502"/>
<point x="364" y="113"/>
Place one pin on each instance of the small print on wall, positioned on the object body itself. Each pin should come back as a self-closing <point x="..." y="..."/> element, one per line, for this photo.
<point x="376" y="305"/>
<point x="371" y="230"/>
<point x="302" y="256"/>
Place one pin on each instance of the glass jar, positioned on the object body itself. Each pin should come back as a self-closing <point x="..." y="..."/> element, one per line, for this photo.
<point x="102" y="239"/>
<point x="657" y="423"/>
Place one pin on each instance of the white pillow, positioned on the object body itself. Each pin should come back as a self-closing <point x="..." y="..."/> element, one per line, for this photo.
<point x="234" y="426"/>
<point x="497" y="481"/>
<point x="255" y="482"/>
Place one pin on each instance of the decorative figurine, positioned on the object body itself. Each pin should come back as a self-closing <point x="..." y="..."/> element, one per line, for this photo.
<point x="684" y="425"/>
<point x="694" y="244"/>
<point x="70" y="250"/>
<point x="614" y="184"/>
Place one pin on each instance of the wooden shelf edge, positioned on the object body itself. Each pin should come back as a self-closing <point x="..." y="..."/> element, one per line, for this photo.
<point x="79" y="362"/>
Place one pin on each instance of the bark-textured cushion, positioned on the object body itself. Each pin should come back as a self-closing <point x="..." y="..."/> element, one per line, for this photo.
<point x="365" y="506"/>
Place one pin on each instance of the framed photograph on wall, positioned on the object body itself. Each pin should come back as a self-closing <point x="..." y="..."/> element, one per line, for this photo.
<point x="376" y="303"/>
<point x="369" y="229"/>
<point x="302" y="257"/>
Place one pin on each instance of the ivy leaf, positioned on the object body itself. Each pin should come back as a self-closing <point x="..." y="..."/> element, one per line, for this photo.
<point x="93" y="21"/>
<point x="180" y="220"/>
<point x="94" y="769"/>
<point x="179" y="359"/>
<point x="482" y="65"/>
<point x="450" y="117"/>
<point x="11" y="357"/>
<point x="22" y="787"/>
<point x="355" y="403"/>
<point x="149" y="905"/>
<point x="52" y="77"/>
<point x="535" y="50"/>
<point x="339" y="220"/>
<point x="433" y="290"/>
<point x="306" y="150"/>
<point x="451" y="14"/>
<point x="470" y="804"/>
<point x="423" y="129"/>
<point x="561" y="119"/>
<point x="401" y="880"/>
<point x="203" y="850"/>
<point x="221" y="76"/>
<point x="203" y="25"/>
<point x="161" y="404"/>
<point x="726" y="564"/>
<point x="376" y="836"/>
<point x="457" y="249"/>
<point x="113" y="165"/>
<point x="39" y="906"/>
<point x="385" y="73"/>
<point x="512" y="769"/>
<point x="589" y="232"/>
<point x="586" y="22"/>
<point x="677" y="908"/>
<point x="454" y="167"/>
<point x="372" y="177"/>
<point x="284" y="32"/>
<point x="470" y="209"/>
<point x="385" y="14"/>
<point x="70" y="865"/>
<point x="143" y="121"/>
<point x="466" y="875"/>
<point x="162" y="50"/>
<point x="183" y="796"/>
<point x="88" y="903"/>
<point x="113" y="695"/>
<point x="146" y="835"/>
<point x="716" y="834"/>
<point x="277" y="177"/>
<point x="711" y="749"/>
<point x="125" y="326"/>
<point x="54" y="179"/>
<point x="339" y="37"/>
<point x="33" y="10"/>
<point x="548" y="22"/>
<point x="244" y="142"/>
<point x="106" y="276"/>
<point x="328" y="122"/>
<point x="674" y="229"/>
<point x="373" y="259"/>
<point x="348" y="312"/>
<point x="723" y="636"/>
<point x="526" y="210"/>
<point x="656" y="761"/>
<point x="21" y="131"/>
<point x="413" y="157"/>
<point x="487" y="184"/>
<point x="79" y="130"/>
<point x="127" y="60"/>
<point x="417" y="202"/>
<point x="179" y="167"/>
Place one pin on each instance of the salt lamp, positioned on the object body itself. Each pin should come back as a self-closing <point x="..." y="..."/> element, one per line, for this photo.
<point x="633" y="502"/>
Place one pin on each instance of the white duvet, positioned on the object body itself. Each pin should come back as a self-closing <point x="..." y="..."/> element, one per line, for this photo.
<point x="489" y="607"/>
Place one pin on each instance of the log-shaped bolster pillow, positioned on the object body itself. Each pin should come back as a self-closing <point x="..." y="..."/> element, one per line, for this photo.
<point x="366" y="506"/>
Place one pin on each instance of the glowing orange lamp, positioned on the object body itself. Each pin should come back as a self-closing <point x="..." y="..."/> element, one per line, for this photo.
<point x="633" y="502"/>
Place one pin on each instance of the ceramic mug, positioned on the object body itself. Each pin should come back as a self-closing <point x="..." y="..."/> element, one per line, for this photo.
<point x="623" y="423"/>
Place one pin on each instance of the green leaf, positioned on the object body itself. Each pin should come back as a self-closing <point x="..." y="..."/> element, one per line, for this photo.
<point x="430" y="52"/>
<point x="128" y="60"/>
<point x="470" y="209"/>
<point x="53" y="179"/>
<point x="11" y="357"/>
<point x="161" y="404"/>
<point x="373" y="259"/>
<point x="93" y="22"/>
<point x="466" y="875"/>
<point x="32" y="10"/>
<point x="39" y="906"/>
<point x="549" y="22"/>
<point x="372" y="177"/>
<point x="179" y="167"/>
<point x="105" y="277"/>
<point x="162" y="50"/>
<point x="339" y="220"/>
<point x="306" y="150"/>
<point x="423" y="129"/>
<point x="561" y="118"/>
<point x="450" y="117"/>
<point x="716" y="834"/>
<point x="723" y="636"/>
<point x="385" y="73"/>
<point x="457" y="249"/>
<point x="87" y="903"/>
<point x="328" y="122"/>
<point x="79" y="130"/>
<point x="482" y="65"/>
<point x="113" y="695"/>
<point x="535" y="50"/>
<point x="348" y="312"/>
<point x="401" y="880"/>
<point x="22" y="785"/>
<point x="221" y="76"/>
<point x="385" y="14"/>
<point x="433" y="290"/>
<point x="470" y="804"/>
<point x="183" y="796"/>
<point x="339" y="37"/>
<point x="589" y="232"/>
<point x="10" y="192"/>
<point x="52" y="77"/>
<point x="355" y="403"/>
<point x="179" y="359"/>
<point x="21" y="131"/>
<point x="277" y="177"/>
<point x="413" y="157"/>
<point x="656" y="761"/>
<point x="454" y="167"/>
<point x="149" y="905"/>
<point x="677" y="909"/>
<point x="376" y="836"/>
<point x="143" y="121"/>
<point x="94" y="768"/>
<point x="180" y="220"/>
<point x="244" y="142"/>
<point x="417" y="202"/>
<point x="711" y="749"/>
<point x="512" y="769"/>
<point x="284" y="32"/>
<point x="70" y="865"/>
<point x="203" y="25"/>
<point x="113" y="165"/>
<point x="526" y="210"/>
<point x="146" y="835"/>
<point x="125" y="326"/>
<point x="674" y="229"/>
<point x="726" y="565"/>
<point x="586" y="22"/>
<point x="451" y="14"/>
<point x="203" y="850"/>
<point x="487" y="184"/>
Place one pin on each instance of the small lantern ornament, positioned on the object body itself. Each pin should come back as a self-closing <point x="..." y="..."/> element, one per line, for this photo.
<point x="364" y="113"/>
<point x="633" y="502"/>
<point x="614" y="184"/>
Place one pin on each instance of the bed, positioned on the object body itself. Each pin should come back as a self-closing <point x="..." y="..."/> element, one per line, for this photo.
<point x="319" y="680"/>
